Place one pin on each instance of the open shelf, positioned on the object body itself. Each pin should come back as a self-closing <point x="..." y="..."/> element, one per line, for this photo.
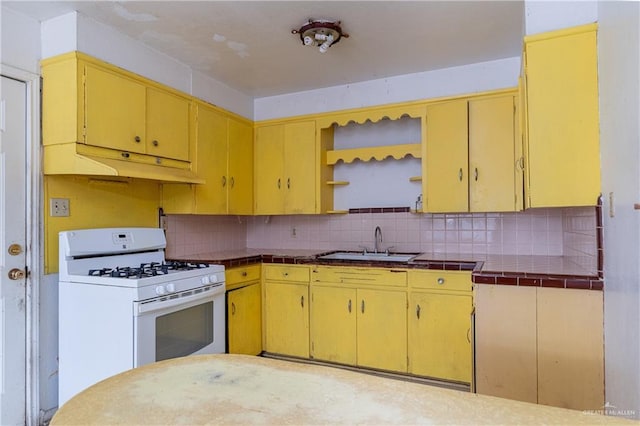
<point x="374" y="153"/>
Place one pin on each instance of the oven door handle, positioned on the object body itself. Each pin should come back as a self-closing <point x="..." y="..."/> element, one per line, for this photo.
<point x="141" y="308"/>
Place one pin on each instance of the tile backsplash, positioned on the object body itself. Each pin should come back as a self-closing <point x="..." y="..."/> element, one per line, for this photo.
<point x="570" y="232"/>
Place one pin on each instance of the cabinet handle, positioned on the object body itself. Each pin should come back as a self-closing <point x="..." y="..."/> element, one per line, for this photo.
<point x="349" y="305"/>
<point x="476" y="174"/>
<point x="125" y="154"/>
<point x="233" y="308"/>
<point x="244" y="273"/>
<point x="288" y="183"/>
<point x="302" y="301"/>
<point x="440" y="281"/>
<point x="137" y="139"/>
<point x="155" y="143"/>
<point x="460" y="175"/>
<point x="469" y="335"/>
<point x="418" y="311"/>
<point x="224" y="181"/>
<point x="362" y="306"/>
<point x="233" y="182"/>
<point x="278" y="183"/>
<point x="285" y="274"/>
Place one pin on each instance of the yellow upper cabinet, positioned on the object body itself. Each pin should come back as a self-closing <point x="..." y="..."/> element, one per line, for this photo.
<point x="446" y="183"/>
<point x="562" y="131"/>
<point x="471" y="155"/>
<point x="90" y="102"/>
<point x="239" y="167"/>
<point x="285" y="168"/>
<point x="493" y="172"/>
<point x="167" y="126"/>
<point x="115" y="111"/>
<point x="224" y="146"/>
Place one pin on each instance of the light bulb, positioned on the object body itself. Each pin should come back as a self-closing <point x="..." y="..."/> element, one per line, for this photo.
<point x="307" y="41"/>
<point x="325" y="46"/>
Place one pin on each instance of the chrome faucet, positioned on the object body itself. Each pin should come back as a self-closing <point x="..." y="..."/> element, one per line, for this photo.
<point x="377" y="239"/>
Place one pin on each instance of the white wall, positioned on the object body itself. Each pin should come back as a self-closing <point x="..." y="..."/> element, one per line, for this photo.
<point x="499" y="74"/>
<point x="20" y="46"/>
<point x="619" y="80"/>
<point x="541" y="16"/>
<point x="74" y="31"/>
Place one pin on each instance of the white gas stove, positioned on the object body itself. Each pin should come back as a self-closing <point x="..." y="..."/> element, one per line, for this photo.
<point x="122" y="305"/>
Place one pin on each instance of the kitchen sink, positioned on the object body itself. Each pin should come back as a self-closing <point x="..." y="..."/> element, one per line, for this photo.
<point x="369" y="257"/>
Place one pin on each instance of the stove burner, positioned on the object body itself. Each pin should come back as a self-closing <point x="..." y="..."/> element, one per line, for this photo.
<point x="145" y="270"/>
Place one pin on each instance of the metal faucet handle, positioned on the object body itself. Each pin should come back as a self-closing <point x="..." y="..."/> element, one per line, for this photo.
<point x="364" y="249"/>
<point x="388" y="250"/>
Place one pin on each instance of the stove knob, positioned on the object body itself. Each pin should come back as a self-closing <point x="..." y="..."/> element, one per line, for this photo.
<point x="205" y="280"/>
<point x="160" y="290"/>
<point x="213" y="278"/>
<point x="171" y="287"/>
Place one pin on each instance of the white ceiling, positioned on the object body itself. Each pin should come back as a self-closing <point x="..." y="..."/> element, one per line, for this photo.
<point x="249" y="46"/>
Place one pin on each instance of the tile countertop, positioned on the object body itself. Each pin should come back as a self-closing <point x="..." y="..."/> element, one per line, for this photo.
<point x="537" y="271"/>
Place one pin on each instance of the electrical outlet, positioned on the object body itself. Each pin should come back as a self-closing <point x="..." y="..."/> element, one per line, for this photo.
<point x="59" y="207"/>
<point x="294" y="232"/>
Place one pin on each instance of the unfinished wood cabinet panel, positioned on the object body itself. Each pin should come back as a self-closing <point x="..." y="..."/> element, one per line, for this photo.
<point x="505" y="334"/>
<point x="570" y="348"/>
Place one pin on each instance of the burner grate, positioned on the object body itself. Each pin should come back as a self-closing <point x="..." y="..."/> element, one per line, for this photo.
<point x="146" y="270"/>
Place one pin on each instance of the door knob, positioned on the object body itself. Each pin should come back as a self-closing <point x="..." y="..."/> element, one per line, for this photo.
<point x="15" y="249"/>
<point x="16" y="274"/>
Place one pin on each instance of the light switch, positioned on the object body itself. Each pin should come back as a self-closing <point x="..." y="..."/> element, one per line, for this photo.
<point x="59" y="207"/>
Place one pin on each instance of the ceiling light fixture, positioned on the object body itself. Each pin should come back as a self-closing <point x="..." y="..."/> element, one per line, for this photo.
<point x="320" y="32"/>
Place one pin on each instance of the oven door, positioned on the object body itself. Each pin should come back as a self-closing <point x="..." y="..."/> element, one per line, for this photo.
<point x="187" y="324"/>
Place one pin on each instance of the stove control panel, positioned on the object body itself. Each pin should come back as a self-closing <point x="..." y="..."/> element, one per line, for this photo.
<point x="209" y="279"/>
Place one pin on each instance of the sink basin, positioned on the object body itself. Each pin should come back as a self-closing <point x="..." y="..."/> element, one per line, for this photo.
<point x="369" y="257"/>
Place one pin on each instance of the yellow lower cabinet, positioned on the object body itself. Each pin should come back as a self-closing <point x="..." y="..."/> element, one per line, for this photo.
<point x="382" y="329"/>
<point x="244" y="320"/>
<point x="333" y="324"/>
<point x="439" y="330"/>
<point x="287" y="318"/>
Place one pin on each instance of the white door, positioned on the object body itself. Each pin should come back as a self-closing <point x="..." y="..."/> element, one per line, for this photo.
<point x="13" y="125"/>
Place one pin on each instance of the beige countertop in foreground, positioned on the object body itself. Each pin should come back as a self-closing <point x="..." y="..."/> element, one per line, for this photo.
<point x="239" y="389"/>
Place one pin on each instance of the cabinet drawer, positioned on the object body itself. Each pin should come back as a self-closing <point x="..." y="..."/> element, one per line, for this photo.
<point x="236" y="277"/>
<point x="441" y="280"/>
<point x="286" y="273"/>
<point x="360" y="276"/>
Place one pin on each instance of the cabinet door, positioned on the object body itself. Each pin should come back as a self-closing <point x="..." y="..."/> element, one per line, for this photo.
<point x="300" y="167"/>
<point x="439" y="330"/>
<point x="492" y="162"/>
<point x="447" y="185"/>
<point x="245" y="320"/>
<point x="570" y="348"/>
<point x="562" y="106"/>
<point x="211" y="134"/>
<point x="505" y="337"/>
<point x="287" y="319"/>
<point x="167" y="127"/>
<point x="382" y="329"/>
<point x="115" y="111"/>
<point x="333" y="324"/>
<point x="268" y="166"/>
<point x="240" y="167"/>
